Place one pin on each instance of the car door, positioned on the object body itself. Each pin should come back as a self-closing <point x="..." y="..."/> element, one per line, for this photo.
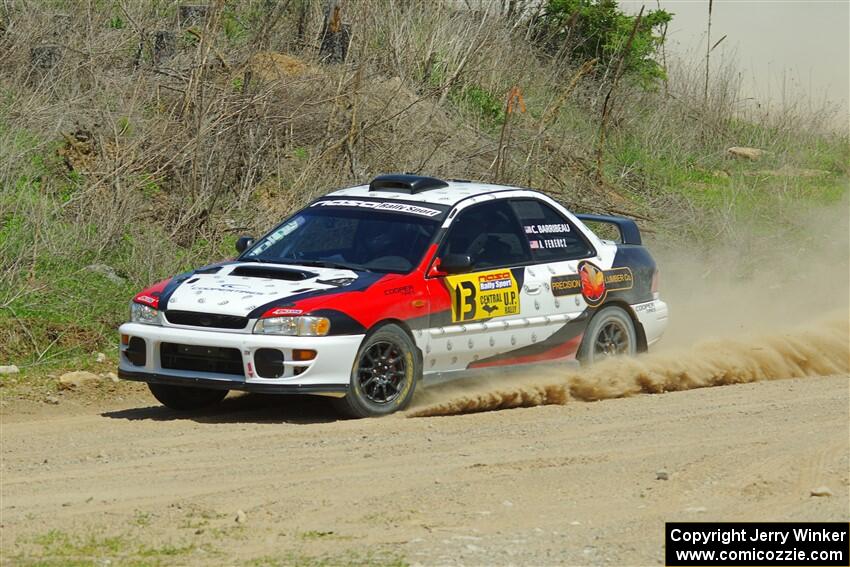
<point x="557" y="248"/>
<point x="488" y="302"/>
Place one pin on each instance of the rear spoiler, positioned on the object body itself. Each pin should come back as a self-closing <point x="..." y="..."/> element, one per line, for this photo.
<point x="629" y="232"/>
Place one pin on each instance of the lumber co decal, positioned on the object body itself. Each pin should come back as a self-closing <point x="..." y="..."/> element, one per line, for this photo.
<point x="593" y="283"/>
<point x="483" y="295"/>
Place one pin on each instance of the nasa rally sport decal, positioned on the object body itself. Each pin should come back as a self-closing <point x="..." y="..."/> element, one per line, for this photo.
<point x="379" y="206"/>
<point x="592" y="282"/>
<point x="482" y="295"/>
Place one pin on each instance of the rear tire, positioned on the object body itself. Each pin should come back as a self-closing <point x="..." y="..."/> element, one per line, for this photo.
<point x="610" y="333"/>
<point x="384" y="375"/>
<point x="185" y="398"/>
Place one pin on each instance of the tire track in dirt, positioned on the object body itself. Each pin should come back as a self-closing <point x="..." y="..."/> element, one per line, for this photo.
<point x="819" y="349"/>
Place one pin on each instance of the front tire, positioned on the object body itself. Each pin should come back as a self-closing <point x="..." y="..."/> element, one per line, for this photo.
<point x="185" y="398"/>
<point x="610" y="333"/>
<point x="384" y="375"/>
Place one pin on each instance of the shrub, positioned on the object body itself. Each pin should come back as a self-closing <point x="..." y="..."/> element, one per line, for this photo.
<point x="598" y="29"/>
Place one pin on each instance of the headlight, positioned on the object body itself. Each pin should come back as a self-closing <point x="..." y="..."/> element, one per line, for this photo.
<point x="293" y="326"/>
<point x="143" y="314"/>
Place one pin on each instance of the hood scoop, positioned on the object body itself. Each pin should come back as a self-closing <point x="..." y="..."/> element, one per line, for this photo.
<point x="285" y="274"/>
<point x="209" y="270"/>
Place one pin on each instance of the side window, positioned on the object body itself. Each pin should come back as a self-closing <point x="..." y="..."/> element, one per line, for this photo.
<point x="490" y="234"/>
<point x="550" y="236"/>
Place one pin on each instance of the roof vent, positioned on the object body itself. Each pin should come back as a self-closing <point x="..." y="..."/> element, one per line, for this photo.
<point x="404" y="183"/>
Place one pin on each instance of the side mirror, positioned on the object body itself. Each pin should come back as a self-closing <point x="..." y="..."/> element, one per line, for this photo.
<point x="244" y="243"/>
<point x="455" y="263"/>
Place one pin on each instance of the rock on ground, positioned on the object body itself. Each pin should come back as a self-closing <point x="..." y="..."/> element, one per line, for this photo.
<point x="752" y="154"/>
<point x="78" y="379"/>
<point x="10" y="369"/>
<point x="270" y="66"/>
<point x="106" y="271"/>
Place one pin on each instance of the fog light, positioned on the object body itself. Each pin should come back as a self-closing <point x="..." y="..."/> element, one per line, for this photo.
<point x="125" y="339"/>
<point x="269" y="363"/>
<point x="136" y="351"/>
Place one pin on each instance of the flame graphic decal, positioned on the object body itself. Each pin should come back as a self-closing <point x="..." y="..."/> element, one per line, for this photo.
<point x="592" y="282"/>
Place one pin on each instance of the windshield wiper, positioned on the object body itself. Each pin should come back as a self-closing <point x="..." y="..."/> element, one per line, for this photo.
<point x="326" y="264"/>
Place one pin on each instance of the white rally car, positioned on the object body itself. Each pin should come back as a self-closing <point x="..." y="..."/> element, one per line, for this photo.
<point x="367" y="289"/>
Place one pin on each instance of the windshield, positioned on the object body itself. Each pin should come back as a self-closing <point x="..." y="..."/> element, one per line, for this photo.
<point x="348" y="238"/>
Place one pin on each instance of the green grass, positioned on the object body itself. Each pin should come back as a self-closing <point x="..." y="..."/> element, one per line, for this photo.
<point x="347" y="559"/>
<point x="55" y="548"/>
<point x="315" y="534"/>
<point x="54" y="310"/>
<point x="482" y="103"/>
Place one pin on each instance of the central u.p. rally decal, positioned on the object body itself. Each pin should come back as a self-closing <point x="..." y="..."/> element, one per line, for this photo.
<point x="482" y="295"/>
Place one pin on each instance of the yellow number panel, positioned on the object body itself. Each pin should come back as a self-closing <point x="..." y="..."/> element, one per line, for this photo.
<point x="483" y="295"/>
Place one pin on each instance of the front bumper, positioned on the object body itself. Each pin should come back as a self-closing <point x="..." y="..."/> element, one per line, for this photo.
<point x="328" y="373"/>
<point x="335" y="390"/>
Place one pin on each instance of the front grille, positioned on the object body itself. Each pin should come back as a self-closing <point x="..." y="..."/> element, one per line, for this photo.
<point x="201" y="358"/>
<point x="211" y="320"/>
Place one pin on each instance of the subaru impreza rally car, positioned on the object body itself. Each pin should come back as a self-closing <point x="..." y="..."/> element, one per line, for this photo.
<point x="368" y="289"/>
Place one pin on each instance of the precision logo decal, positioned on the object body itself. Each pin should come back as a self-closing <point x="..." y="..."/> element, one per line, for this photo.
<point x="379" y="206"/>
<point x="593" y="283"/>
<point x="482" y="295"/>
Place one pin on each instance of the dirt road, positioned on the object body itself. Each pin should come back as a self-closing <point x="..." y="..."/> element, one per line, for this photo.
<point x="131" y="482"/>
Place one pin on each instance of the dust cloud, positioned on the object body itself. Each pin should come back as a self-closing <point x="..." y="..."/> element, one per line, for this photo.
<point x="821" y="349"/>
<point x="760" y="307"/>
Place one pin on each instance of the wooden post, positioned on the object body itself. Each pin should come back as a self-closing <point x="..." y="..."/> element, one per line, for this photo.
<point x="164" y="46"/>
<point x="335" y="35"/>
<point x="515" y="103"/>
<point x="45" y="57"/>
<point x="192" y="14"/>
<point x="664" y="55"/>
<point x="707" y="52"/>
<point x="303" y="11"/>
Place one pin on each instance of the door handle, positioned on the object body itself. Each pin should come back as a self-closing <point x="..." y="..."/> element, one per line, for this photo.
<point x="533" y="290"/>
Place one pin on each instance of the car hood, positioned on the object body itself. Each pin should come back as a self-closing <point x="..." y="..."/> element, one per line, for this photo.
<point x="240" y="288"/>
